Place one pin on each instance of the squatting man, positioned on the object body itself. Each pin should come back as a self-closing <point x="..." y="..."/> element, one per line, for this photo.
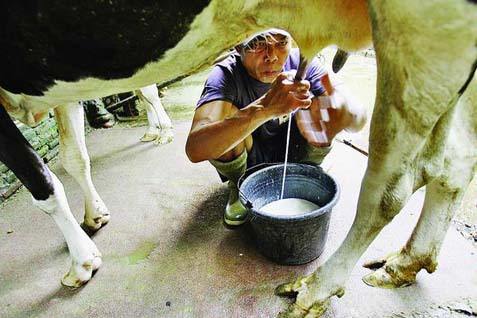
<point x="241" y="117"/>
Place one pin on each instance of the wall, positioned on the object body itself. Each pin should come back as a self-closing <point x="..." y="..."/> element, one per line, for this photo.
<point x="44" y="139"/>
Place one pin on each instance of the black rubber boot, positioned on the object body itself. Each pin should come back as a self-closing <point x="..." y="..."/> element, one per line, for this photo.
<point x="97" y="115"/>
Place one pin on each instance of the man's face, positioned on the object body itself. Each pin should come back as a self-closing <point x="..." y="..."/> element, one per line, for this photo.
<point x="265" y="56"/>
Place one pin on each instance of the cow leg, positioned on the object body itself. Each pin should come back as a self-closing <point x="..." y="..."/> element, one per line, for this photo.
<point x="453" y="149"/>
<point x="160" y="128"/>
<point x="75" y="160"/>
<point x="443" y="197"/>
<point x="85" y="256"/>
<point x="48" y="195"/>
<point x="375" y="210"/>
<point x="408" y="106"/>
<point x="420" y="252"/>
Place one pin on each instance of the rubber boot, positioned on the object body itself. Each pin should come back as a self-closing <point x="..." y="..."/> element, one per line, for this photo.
<point x="97" y="115"/>
<point x="235" y="213"/>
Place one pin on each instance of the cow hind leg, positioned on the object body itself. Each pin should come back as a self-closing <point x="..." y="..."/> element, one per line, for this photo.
<point x="444" y="195"/>
<point x="48" y="195"/>
<point x="75" y="160"/>
<point x="375" y="210"/>
<point x="421" y="250"/>
<point x="160" y="128"/>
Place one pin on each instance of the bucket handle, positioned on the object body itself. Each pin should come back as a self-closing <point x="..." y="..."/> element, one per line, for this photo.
<point x="246" y="174"/>
<point x="248" y="204"/>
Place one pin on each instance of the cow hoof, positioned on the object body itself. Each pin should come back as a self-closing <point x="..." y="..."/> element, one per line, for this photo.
<point x="291" y="289"/>
<point x="398" y="269"/>
<point x="381" y="278"/>
<point x="286" y="290"/>
<point x="293" y="311"/>
<point x="296" y="311"/>
<point x="167" y="135"/>
<point x="149" y="136"/>
<point x="160" y="137"/>
<point x="96" y="215"/>
<point x="392" y="271"/>
<point x="81" y="274"/>
<point x="94" y="224"/>
<point x="312" y="297"/>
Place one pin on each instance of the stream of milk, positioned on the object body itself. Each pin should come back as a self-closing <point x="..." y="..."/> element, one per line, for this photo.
<point x="286" y="155"/>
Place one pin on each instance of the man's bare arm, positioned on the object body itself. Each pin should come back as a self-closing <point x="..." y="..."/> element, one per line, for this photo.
<point x="219" y="127"/>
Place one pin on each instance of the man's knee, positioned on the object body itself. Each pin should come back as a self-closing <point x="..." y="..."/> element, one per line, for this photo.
<point x="233" y="154"/>
<point x="233" y="169"/>
<point x="315" y="155"/>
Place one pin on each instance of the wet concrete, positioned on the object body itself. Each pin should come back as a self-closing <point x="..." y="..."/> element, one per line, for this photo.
<point x="167" y="253"/>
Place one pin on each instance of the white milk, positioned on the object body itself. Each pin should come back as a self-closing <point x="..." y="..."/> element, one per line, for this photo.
<point x="290" y="206"/>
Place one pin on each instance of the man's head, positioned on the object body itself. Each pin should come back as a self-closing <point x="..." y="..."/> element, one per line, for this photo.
<point x="265" y="53"/>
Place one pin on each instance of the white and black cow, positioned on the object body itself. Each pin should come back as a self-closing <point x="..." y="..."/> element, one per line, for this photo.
<point x="423" y="129"/>
<point x="55" y="53"/>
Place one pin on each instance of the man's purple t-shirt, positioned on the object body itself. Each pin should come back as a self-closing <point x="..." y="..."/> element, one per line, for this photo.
<point x="229" y="81"/>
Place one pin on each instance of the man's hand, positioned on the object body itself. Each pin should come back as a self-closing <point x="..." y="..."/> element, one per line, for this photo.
<point x="329" y="114"/>
<point x="286" y="95"/>
<point x="324" y="119"/>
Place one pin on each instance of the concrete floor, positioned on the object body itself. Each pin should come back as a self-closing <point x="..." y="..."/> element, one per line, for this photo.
<point x="167" y="254"/>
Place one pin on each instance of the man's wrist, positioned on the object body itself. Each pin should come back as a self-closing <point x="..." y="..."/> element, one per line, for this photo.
<point x="261" y="111"/>
<point x="257" y="114"/>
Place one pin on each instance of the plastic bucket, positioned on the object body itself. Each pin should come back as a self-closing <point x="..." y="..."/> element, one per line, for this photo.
<point x="289" y="239"/>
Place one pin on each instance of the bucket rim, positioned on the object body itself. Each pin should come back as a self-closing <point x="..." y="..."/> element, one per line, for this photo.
<point x="298" y="217"/>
